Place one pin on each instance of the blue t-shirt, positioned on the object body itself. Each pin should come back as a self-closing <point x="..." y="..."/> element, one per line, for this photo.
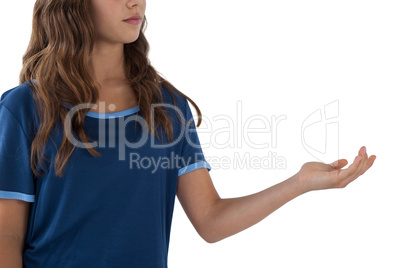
<point x="114" y="210"/>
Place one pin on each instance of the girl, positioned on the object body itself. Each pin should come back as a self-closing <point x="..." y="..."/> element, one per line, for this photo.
<point x="95" y="145"/>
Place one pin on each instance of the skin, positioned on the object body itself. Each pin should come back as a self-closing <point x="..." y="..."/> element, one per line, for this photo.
<point x="108" y="55"/>
<point x="213" y="217"/>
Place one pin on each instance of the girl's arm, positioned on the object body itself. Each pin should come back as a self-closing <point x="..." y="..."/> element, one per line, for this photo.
<point x="10" y="253"/>
<point x="215" y="218"/>
<point x="14" y="216"/>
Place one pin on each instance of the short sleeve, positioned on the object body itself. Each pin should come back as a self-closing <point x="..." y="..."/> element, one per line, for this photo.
<point x="16" y="176"/>
<point x="192" y="156"/>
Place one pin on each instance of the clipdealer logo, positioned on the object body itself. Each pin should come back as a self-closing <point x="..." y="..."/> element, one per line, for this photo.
<point x="319" y="137"/>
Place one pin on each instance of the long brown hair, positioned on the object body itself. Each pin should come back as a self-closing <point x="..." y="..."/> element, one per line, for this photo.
<point x="58" y="59"/>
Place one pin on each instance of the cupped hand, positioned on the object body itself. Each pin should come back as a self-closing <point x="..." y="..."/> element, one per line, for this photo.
<point x="318" y="176"/>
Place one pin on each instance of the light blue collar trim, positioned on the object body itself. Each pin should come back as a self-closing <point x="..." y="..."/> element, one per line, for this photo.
<point x="114" y="115"/>
<point x="109" y="115"/>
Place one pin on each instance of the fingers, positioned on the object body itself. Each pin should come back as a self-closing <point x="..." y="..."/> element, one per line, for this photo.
<point x="338" y="164"/>
<point x="363" y="163"/>
<point x="353" y="168"/>
<point x="369" y="163"/>
<point x="371" y="160"/>
<point x="359" y="166"/>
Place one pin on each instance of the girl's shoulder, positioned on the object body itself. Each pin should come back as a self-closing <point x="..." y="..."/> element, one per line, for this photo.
<point x="180" y="100"/>
<point x="18" y="104"/>
<point x="18" y="97"/>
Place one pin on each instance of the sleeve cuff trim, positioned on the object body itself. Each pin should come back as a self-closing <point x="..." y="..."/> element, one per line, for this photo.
<point x="17" y="195"/>
<point x="194" y="166"/>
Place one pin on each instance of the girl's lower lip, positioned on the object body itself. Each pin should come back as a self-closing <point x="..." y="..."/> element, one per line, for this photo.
<point x="134" y="21"/>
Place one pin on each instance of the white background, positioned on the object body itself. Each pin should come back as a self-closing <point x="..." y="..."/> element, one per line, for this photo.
<point x="280" y="58"/>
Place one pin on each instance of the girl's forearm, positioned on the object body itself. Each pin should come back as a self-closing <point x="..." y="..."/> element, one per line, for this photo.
<point x="232" y="215"/>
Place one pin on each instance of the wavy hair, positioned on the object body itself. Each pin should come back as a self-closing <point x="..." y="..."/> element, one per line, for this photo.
<point x="58" y="59"/>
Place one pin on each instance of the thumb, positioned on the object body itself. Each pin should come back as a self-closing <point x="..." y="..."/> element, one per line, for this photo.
<point x="338" y="164"/>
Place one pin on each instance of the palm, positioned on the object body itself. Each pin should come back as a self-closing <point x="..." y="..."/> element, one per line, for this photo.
<point x="317" y="176"/>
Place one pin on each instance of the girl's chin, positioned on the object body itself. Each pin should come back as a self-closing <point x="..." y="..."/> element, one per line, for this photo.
<point x="131" y="40"/>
